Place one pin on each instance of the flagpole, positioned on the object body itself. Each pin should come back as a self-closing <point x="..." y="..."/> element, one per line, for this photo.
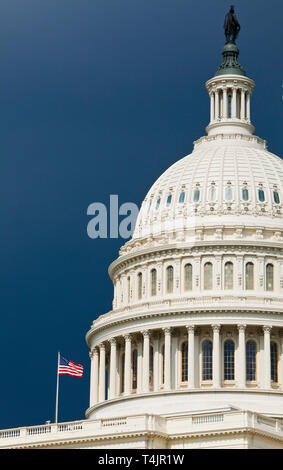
<point x="57" y="390"/>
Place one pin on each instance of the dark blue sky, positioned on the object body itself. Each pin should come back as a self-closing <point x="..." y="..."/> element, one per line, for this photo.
<point x="97" y="97"/>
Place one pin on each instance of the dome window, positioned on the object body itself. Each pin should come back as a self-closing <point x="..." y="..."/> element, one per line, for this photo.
<point x="182" y="197"/>
<point x="196" y="195"/>
<point x="276" y="197"/>
<point x="149" y="206"/>
<point x="261" y="196"/>
<point x="245" y="194"/>
<point x="157" y="204"/>
<point x="169" y="199"/>
<point x="212" y="193"/>
<point x="228" y="193"/>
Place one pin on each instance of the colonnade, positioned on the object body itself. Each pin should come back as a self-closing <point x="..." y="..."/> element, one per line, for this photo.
<point x="157" y="364"/>
<point x="229" y="102"/>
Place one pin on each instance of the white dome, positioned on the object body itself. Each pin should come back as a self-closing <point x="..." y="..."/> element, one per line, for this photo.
<point x="236" y="179"/>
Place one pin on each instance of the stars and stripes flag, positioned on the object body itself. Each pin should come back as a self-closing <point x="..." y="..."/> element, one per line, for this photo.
<point x="66" y="367"/>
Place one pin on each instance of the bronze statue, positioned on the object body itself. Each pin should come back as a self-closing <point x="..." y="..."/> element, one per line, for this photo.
<point x="231" y="26"/>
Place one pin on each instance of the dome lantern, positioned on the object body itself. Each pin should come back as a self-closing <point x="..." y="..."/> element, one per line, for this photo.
<point x="230" y="89"/>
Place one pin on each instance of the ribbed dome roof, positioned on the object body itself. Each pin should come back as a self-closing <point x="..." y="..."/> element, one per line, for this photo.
<point x="225" y="178"/>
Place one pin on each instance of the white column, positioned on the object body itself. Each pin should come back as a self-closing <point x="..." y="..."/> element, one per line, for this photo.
<point x="248" y="110"/>
<point x="242" y="357"/>
<point x="216" y="356"/>
<point x="225" y="103"/>
<point x="267" y="364"/>
<point x="243" y="104"/>
<point x="113" y="368"/>
<point x="216" y="114"/>
<point x="167" y="359"/>
<point x="145" y="361"/>
<point x="155" y="364"/>
<point x="212" y="106"/>
<point x="140" y="374"/>
<point x="127" y="368"/>
<point x="234" y="103"/>
<point x="94" y="368"/>
<point x="102" y="372"/>
<point x="191" y="356"/>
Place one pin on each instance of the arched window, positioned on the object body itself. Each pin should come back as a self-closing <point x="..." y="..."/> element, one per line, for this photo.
<point x="182" y="197"/>
<point x="153" y="275"/>
<point x="185" y="361"/>
<point x="157" y="204"/>
<point x="134" y="369"/>
<point x="169" y="279"/>
<point x="188" y="277"/>
<point x="207" y="360"/>
<point x="149" y="206"/>
<point x="245" y="194"/>
<point x="229" y="360"/>
<point x="269" y="276"/>
<point x="251" y="360"/>
<point x="249" y="276"/>
<point x="274" y="361"/>
<point x="276" y="197"/>
<point x="228" y="275"/>
<point x="139" y="285"/>
<point x="207" y="272"/>
<point x="261" y="196"/>
<point x="196" y="195"/>
<point x="169" y="199"/>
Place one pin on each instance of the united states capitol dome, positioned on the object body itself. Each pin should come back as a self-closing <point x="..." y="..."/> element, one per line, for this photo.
<point x="229" y="180"/>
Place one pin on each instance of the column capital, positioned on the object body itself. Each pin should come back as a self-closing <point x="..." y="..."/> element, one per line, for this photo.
<point x="216" y="327"/>
<point x="145" y="333"/>
<point x="167" y="330"/>
<point x="266" y="328"/>
<point x="113" y="341"/>
<point x="101" y="346"/>
<point x="93" y="352"/>
<point x="127" y="337"/>
<point x="241" y="327"/>
<point x="190" y="328"/>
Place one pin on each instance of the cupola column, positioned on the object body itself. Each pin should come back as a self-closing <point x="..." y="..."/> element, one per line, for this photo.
<point x="191" y="356"/>
<point x="93" y="399"/>
<point x="243" y="104"/>
<point x="212" y="106"/>
<point x="113" y="368"/>
<point x="216" y="112"/>
<point x="242" y="356"/>
<point x="267" y="362"/>
<point x="248" y="110"/>
<point x="102" y="372"/>
<point x="216" y="356"/>
<point x="145" y="361"/>
<point x="167" y="359"/>
<point x="225" y="103"/>
<point x="127" y="368"/>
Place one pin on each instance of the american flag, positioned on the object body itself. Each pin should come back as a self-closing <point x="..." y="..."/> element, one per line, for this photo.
<point x="66" y="367"/>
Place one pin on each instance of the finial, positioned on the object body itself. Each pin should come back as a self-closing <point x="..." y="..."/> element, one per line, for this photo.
<point x="231" y="26"/>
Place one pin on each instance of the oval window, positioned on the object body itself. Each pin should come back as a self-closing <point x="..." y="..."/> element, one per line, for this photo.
<point x="261" y="196"/>
<point x="245" y="194"/>
<point x="276" y="197"/>
<point x="196" y="195"/>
